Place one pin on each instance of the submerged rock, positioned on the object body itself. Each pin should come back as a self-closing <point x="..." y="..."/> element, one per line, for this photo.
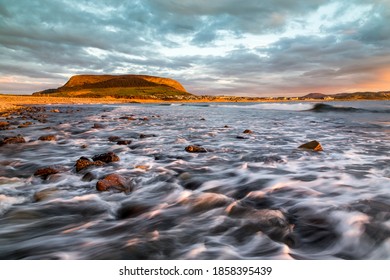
<point x="195" y="149"/>
<point x="312" y="145"/>
<point x="107" y="157"/>
<point x="113" y="181"/>
<point x="123" y="142"/>
<point x="84" y="162"/>
<point x="48" y="138"/>
<point x="98" y="125"/>
<point x="12" y="140"/>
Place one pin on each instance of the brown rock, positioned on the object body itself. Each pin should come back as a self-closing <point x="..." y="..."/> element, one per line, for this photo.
<point x="4" y="125"/>
<point x="113" y="181"/>
<point x="84" y="162"/>
<point x="147" y="135"/>
<point x="55" y="111"/>
<point x="46" y="171"/>
<point x="25" y="124"/>
<point x="12" y="140"/>
<point x="98" y="125"/>
<point x="247" y="131"/>
<point x="195" y="149"/>
<point x="113" y="138"/>
<point x="48" y="138"/>
<point x="124" y="142"/>
<point x="312" y="145"/>
<point x="107" y="157"/>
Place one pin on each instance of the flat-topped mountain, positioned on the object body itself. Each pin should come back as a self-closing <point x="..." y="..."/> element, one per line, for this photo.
<point x="119" y="86"/>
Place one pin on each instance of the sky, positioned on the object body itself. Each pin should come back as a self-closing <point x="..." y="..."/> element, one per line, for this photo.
<point x="219" y="47"/>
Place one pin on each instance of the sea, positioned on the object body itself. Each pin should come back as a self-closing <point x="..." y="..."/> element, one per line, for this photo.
<point x="253" y="195"/>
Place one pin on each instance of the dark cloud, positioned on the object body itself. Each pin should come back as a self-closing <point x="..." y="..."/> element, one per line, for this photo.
<point x="48" y="41"/>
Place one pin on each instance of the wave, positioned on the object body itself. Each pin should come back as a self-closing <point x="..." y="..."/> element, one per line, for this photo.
<point x="322" y="108"/>
<point x="271" y="106"/>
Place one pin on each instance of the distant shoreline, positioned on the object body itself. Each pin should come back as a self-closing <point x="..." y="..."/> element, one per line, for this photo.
<point x="14" y="102"/>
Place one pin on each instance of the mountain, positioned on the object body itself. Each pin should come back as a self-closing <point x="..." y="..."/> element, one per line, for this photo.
<point x="120" y="86"/>
<point x="315" y="95"/>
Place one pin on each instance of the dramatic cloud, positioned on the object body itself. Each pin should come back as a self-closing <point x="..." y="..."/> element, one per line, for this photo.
<point x="256" y="48"/>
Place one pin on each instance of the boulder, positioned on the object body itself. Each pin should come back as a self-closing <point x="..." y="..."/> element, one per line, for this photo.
<point x="247" y="131"/>
<point x="113" y="181"/>
<point x="312" y="145"/>
<point x="84" y="162"/>
<point x="107" y="157"/>
<point x="195" y="149"/>
<point x="12" y="140"/>
<point x="48" y="138"/>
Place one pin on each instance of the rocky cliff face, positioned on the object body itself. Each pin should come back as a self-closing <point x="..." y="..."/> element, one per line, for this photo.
<point x="105" y="81"/>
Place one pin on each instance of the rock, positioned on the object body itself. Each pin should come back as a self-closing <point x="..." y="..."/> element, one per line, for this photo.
<point x="129" y="118"/>
<point x="84" y="162"/>
<point x="195" y="149"/>
<point x="242" y="137"/>
<point x="113" y="138"/>
<point x="88" y="177"/>
<point x="25" y="124"/>
<point x="312" y="145"/>
<point x="107" y="157"/>
<point x="124" y="142"/>
<point x="247" y="131"/>
<point x="4" y="125"/>
<point x="48" y="138"/>
<point x="46" y="172"/>
<point x="98" y="125"/>
<point x="143" y="167"/>
<point x="113" y="181"/>
<point x="147" y="135"/>
<point x="55" y="111"/>
<point x="12" y="140"/>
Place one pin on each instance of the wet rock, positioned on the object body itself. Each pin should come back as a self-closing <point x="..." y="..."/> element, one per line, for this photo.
<point x="55" y="111"/>
<point x="242" y="137"/>
<point x="195" y="149"/>
<point x="129" y="118"/>
<point x="12" y="140"/>
<point x="147" y="135"/>
<point x="48" y="138"/>
<point x="143" y="167"/>
<point x="312" y="145"/>
<point x="25" y="124"/>
<point x="247" y="131"/>
<point x="84" y="162"/>
<point x="113" y="181"/>
<point x="4" y="125"/>
<point x="98" y="126"/>
<point x="46" y="172"/>
<point x="113" y="138"/>
<point x="107" y="157"/>
<point x="124" y="142"/>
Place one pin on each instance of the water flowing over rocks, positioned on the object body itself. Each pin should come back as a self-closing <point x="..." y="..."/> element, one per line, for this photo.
<point x="151" y="198"/>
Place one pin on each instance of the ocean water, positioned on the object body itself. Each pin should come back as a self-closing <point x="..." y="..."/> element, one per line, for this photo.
<point x="250" y="196"/>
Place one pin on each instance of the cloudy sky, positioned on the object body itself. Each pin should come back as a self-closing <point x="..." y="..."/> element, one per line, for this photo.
<point x="222" y="47"/>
